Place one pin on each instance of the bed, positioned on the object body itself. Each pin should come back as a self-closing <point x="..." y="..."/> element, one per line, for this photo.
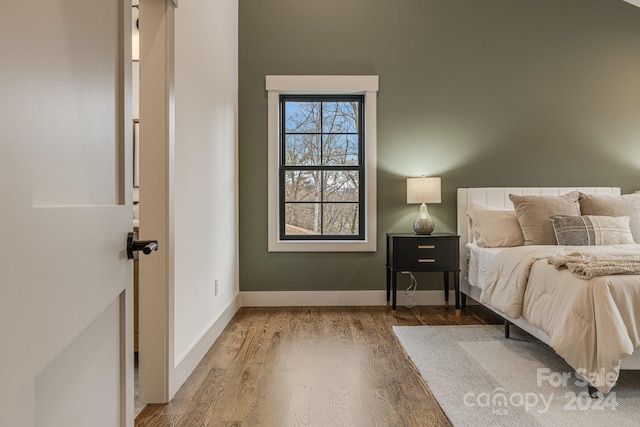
<point x="594" y="324"/>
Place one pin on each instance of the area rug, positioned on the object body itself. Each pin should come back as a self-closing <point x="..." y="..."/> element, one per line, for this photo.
<point x="479" y="378"/>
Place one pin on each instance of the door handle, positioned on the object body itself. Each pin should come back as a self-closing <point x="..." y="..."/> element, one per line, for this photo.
<point x="134" y="245"/>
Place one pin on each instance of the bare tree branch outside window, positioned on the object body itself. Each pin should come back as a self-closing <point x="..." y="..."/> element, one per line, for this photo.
<point x="321" y="170"/>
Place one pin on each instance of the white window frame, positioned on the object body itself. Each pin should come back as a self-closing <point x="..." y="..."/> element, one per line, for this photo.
<point x="322" y="85"/>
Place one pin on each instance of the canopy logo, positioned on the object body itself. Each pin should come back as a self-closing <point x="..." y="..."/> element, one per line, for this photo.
<point x="500" y="401"/>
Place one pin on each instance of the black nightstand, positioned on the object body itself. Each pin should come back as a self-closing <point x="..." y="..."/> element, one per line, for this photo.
<point x="423" y="252"/>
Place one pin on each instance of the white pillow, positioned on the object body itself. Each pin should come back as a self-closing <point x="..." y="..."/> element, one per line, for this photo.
<point x="495" y="228"/>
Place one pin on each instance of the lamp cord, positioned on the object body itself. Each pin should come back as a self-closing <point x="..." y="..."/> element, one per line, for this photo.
<point x="409" y="300"/>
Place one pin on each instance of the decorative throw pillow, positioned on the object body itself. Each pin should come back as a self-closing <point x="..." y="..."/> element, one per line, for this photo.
<point x="591" y="230"/>
<point x="534" y="211"/>
<point x="625" y="205"/>
<point x="495" y="228"/>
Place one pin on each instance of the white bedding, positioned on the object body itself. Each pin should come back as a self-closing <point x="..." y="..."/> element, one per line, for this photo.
<point x="480" y="260"/>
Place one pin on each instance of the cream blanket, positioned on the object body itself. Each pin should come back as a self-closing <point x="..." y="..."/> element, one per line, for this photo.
<point x="587" y="266"/>
<point x="593" y="324"/>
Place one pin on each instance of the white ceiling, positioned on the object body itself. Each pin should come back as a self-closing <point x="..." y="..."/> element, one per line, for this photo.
<point x="634" y="2"/>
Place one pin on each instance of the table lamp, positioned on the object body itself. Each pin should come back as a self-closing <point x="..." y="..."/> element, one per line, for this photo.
<point x="423" y="190"/>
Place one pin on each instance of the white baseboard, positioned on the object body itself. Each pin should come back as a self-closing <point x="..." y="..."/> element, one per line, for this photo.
<point x="188" y="361"/>
<point x="338" y="298"/>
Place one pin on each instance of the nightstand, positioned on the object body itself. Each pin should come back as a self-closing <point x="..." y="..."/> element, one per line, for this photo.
<point x="419" y="253"/>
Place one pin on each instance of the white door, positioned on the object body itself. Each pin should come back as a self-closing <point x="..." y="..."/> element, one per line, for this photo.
<point x="65" y="210"/>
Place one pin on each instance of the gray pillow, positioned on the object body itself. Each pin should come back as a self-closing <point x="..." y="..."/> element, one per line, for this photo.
<point x="591" y="230"/>
<point x="625" y="205"/>
<point x="534" y="211"/>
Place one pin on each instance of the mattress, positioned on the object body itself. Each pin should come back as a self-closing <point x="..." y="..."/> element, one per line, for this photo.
<point x="480" y="259"/>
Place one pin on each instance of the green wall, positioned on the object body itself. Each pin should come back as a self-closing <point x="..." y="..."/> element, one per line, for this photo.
<point x="478" y="92"/>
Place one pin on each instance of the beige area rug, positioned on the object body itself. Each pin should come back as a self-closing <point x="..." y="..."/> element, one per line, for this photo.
<point x="479" y="378"/>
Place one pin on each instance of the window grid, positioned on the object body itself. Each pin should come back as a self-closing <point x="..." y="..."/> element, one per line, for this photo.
<point x="322" y="168"/>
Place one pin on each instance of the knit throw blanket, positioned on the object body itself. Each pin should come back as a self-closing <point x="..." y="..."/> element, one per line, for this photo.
<point x="587" y="266"/>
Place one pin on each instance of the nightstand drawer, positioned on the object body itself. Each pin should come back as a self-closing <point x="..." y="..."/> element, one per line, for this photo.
<point x="433" y="261"/>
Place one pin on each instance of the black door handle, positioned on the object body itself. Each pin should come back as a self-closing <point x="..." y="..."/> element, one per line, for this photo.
<point x="134" y="245"/>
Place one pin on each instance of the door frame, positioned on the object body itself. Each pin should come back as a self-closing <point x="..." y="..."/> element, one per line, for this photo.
<point x="157" y="130"/>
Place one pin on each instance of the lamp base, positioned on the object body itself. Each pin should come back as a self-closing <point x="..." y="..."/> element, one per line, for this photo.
<point x="424" y="223"/>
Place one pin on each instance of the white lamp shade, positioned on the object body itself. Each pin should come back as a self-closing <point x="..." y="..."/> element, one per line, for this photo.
<point x="423" y="190"/>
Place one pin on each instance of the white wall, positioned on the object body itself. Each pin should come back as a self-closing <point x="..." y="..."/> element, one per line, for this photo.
<point x="206" y="170"/>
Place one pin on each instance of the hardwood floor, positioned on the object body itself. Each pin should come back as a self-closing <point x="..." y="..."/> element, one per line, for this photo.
<point x="311" y="366"/>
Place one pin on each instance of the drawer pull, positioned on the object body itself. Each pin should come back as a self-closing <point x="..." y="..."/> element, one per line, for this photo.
<point x="426" y="260"/>
<point x="426" y="246"/>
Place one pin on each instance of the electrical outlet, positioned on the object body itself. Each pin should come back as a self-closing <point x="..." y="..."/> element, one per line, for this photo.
<point x="216" y="288"/>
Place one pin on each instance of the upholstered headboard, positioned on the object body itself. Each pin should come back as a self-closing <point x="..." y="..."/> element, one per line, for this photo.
<point x="498" y="198"/>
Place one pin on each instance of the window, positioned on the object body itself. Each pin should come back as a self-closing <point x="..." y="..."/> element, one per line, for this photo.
<point x="322" y="163"/>
<point x="321" y="167"/>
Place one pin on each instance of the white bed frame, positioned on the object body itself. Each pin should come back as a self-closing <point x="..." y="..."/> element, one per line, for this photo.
<point x="498" y="198"/>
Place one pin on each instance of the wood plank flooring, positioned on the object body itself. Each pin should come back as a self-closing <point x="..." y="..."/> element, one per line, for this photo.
<point x="311" y="366"/>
